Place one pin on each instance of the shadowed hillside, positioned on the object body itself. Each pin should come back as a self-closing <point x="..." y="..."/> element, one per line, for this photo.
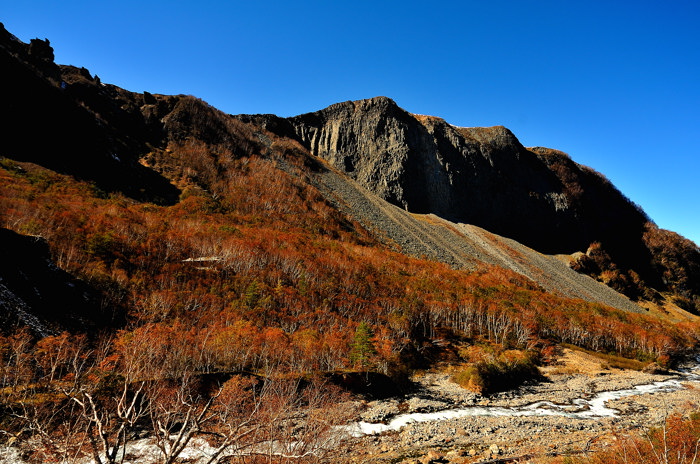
<point x="66" y="119"/>
<point x="34" y="292"/>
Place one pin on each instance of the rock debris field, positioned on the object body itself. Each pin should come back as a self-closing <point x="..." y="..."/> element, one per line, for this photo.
<point x="461" y="246"/>
<point x="479" y="438"/>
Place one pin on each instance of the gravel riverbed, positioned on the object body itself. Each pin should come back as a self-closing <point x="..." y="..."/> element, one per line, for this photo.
<point x="480" y="438"/>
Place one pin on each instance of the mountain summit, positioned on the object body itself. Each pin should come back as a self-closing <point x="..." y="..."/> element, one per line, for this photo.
<point x="480" y="176"/>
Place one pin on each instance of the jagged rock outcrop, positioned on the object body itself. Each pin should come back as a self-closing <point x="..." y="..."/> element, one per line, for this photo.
<point x="65" y="119"/>
<point x="481" y="176"/>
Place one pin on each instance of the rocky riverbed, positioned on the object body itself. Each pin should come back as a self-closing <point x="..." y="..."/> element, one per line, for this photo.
<point x="482" y="438"/>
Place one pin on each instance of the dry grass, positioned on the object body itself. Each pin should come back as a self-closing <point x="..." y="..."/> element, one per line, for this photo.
<point x="423" y="119"/>
<point x="575" y="360"/>
<point x="669" y="311"/>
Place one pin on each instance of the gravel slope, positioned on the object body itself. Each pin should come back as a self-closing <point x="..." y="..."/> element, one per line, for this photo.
<point x="460" y="245"/>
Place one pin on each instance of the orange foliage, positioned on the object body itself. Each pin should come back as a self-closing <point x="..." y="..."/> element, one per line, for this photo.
<point x="253" y="272"/>
<point x="676" y="441"/>
<point x="257" y="268"/>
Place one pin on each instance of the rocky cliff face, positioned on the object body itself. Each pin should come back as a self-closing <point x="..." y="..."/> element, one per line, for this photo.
<point x="484" y="176"/>
<point x="481" y="176"/>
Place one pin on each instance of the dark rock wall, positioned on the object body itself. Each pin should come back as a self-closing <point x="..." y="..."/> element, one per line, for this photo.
<point x="481" y="176"/>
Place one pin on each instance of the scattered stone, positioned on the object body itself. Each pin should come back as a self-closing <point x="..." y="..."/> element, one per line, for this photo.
<point x="380" y="411"/>
<point x="655" y="369"/>
<point x="478" y="435"/>
<point x="432" y="457"/>
<point x="417" y="404"/>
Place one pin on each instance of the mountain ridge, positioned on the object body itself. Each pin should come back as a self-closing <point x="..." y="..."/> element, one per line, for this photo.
<point x="180" y="278"/>
<point x="162" y="148"/>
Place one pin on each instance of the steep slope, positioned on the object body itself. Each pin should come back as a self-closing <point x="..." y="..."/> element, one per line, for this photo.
<point x="485" y="177"/>
<point x="462" y="245"/>
<point x="35" y="293"/>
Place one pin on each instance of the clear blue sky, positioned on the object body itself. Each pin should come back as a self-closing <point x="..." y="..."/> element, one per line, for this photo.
<point x="616" y="84"/>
